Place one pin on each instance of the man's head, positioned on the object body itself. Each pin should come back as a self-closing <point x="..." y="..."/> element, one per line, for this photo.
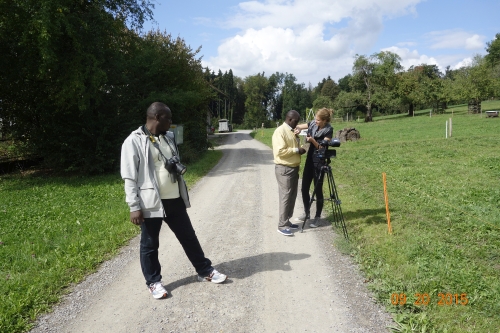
<point x="292" y="118"/>
<point x="158" y="118"/>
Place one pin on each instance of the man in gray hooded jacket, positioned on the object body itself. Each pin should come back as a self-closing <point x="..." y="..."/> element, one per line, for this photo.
<point x="156" y="192"/>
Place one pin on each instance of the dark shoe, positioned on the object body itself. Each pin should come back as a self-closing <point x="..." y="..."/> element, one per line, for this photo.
<point x="293" y="226"/>
<point x="285" y="232"/>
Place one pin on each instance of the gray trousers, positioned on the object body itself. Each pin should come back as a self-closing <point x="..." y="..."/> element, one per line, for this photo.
<point x="288" y="181"/>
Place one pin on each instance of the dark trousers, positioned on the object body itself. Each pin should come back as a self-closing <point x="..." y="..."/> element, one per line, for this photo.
<point x="180" y="224"/>
<point x="310" y="176"/>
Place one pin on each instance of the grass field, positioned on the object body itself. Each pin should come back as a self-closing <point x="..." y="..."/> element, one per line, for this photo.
<point x="441" y="265"/>
<point x="444" y="199"/>
<point x="54" y="230"/>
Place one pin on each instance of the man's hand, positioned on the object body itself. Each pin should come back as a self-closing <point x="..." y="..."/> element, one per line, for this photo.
<point x="136" y="217"/>
<point x="301" y="150"/>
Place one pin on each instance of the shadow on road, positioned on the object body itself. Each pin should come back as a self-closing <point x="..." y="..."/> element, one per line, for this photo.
<point x="245" y="267"/>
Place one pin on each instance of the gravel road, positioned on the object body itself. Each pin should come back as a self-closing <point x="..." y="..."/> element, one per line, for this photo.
<point x="275" y="283"/>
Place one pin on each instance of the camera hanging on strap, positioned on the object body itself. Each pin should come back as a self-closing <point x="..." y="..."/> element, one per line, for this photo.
<point x="173" y="164"/>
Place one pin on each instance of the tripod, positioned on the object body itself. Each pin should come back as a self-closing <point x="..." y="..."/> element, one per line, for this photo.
<point x="338" y="217"/>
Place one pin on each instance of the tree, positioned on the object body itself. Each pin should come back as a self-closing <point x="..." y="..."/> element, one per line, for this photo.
<point x="185" y="90"/>
<point x="493" y="60"/>
<point x="433" y="86"/>
<point x="290" y="96"/>
<point x="348" y="102"/>
<point x="323" y="102"/>
<point x="448" y="73"/>
<point x="256" y="87"/>
<point x="295" y="96"/>
<point x="230" y="89"/>
<point x="409" y="89"/>
<point x="74" y="79"/>
<point x="239" y="106"/>
<point x="493" y="49"/>
<point x="330" y="89"/>
<point x="275" y="95"/>
<point x="475" y="82"/>
<point x="344" y="83"/>
<point x="374" y="78"/>
<point x="61" y="72"/>
<point x="319" y="86"/>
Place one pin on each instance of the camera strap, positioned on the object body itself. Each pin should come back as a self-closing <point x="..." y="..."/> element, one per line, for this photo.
<point x="160" y="148"/>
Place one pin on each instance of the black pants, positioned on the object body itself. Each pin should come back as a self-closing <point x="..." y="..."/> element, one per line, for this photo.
<point x="180" y="224"/>
<point x="310" y="176"/>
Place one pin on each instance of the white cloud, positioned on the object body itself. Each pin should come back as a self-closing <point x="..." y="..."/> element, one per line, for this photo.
<point x="406" y="44"/>
<point x="455" y="39"/>
<point x="282" y="50"/>
<point x="474" y="42"/>
<point x="299" y="13"/>
<point x="289" y="36"/>
<point x="465" y="62"/>
<point x="412" y="58"/>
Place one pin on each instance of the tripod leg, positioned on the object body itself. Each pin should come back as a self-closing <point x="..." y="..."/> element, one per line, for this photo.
<point x="333" y="197"/>
<point x="338" y="210"/>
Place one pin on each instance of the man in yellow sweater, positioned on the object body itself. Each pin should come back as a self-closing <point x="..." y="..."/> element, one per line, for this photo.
<point x="287" y="153"/>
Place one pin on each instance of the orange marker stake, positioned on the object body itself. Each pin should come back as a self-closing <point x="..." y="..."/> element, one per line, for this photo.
<point x="386" y="197"/>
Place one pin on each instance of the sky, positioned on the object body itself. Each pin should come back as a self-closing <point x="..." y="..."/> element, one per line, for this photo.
<point x="314" y="39"/>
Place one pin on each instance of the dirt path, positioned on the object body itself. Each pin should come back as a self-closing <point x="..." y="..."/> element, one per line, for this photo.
<point x="275" y="283"/>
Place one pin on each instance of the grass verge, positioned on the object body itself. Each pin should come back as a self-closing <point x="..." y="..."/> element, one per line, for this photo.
<point x="55" y="230"/>
<point x="439" y="271"/>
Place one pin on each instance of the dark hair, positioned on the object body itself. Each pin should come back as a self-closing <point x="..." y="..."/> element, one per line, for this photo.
<point x="155" y="108"/>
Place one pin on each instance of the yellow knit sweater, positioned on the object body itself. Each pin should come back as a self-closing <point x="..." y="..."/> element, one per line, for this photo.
<point x="285" y="146"/>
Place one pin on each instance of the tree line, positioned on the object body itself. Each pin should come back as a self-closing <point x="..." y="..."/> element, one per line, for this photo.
<point x="378" y="82"/>
<point x="75" y="80"/>
<point x="77" y="76"/>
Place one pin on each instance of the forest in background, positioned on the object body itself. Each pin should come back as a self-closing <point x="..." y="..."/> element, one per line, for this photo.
<point x="77" y="76"/>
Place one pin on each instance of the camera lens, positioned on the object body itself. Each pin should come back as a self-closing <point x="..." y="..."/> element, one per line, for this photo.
<point x="181" y="169"/>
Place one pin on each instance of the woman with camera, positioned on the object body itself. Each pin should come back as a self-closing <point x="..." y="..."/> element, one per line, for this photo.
<point x="317" y="130"/>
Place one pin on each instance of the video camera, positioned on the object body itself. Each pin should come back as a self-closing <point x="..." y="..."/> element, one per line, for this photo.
<point x="323" y="153"/>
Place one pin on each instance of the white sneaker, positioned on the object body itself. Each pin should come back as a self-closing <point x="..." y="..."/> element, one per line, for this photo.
<point x="315" y="223"/>
<point x="214" y="277"/>
<point x="158" y="290"/>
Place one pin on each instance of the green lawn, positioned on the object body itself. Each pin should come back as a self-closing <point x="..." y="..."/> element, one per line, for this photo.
<point x="444" y="199"/>
<point x="444" y="195"/>
<point x="54" y="230"/>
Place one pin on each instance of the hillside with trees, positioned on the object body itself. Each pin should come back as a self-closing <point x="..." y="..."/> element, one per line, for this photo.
<point x="76" y="78"/>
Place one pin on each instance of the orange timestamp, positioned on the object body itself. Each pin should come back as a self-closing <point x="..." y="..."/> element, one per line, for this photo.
<point x="444" y="299"/>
